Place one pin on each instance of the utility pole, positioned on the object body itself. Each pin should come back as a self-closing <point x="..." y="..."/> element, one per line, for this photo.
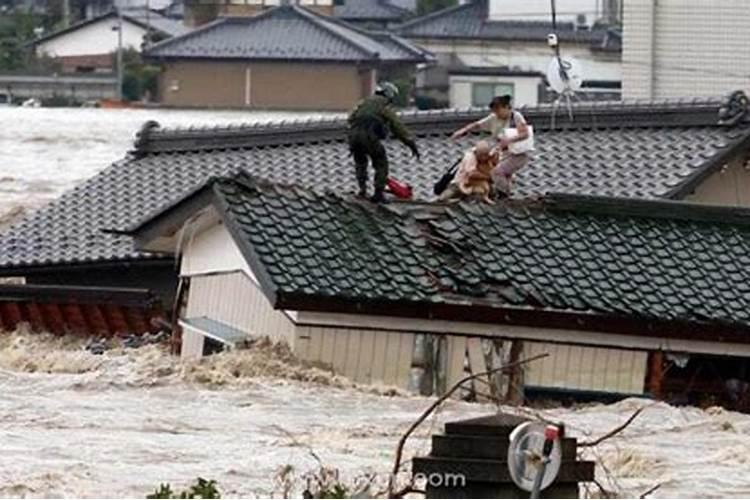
<point x="119" y="53"/>
<point x="65" y="13"/>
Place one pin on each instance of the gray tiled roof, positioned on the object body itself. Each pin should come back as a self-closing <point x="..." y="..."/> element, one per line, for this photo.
<point x="166" y="25"/>
<point x="646" y="150"/>
<point x="139" y="16"/>
<point x="649" y="260"/>
<point x="284" y="33"/>
<point x="469" y="21"/>
<point x="369" y="10"/>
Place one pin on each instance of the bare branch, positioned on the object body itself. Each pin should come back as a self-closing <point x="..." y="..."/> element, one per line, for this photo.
<point x="296" y="442"/>
<point x="436" y="404"/>
<point x="650" y="490"/>
<point x="602" y="490"/>
<point x="613" y="432"/>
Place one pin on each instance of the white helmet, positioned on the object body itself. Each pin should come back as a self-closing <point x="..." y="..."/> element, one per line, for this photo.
<point x="387" y="90"/>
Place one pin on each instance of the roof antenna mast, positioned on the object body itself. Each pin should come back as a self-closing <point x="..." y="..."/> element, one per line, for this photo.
<point x="563" y="74"/>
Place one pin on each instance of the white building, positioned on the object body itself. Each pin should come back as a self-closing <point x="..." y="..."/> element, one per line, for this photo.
<point x="89" y="45"/>
<point x="475" y="87"/>
<point x="477" y="35"/>
<point x="679" y="48"/>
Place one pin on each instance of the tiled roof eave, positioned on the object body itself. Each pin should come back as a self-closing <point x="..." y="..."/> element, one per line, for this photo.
<point x="709" y="167"/>
<point x="566" y="320"/>
<point x="500" y="38"/>
<point x="44" y="267"/>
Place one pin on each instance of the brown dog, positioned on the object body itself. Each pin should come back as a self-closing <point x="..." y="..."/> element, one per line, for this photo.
<point x="478" y="181"/>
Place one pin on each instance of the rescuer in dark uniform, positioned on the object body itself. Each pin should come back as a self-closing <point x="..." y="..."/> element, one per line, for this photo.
<point x="370" y="123"/>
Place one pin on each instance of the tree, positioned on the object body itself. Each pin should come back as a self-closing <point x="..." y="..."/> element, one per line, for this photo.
<point x="428" y="6"/>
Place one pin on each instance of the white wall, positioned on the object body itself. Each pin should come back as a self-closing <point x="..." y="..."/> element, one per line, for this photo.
<point x="525" y="88"/>
<point x="541" y="9"/>
<point x="211" y="250"/>
<point x="527" y="56"/>
<point x="93" y="39"/>
<point x="685" y="48"/>
<point x="236" y="300"/>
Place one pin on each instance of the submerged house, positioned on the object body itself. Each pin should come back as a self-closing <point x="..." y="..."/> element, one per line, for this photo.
<point x="693" y="151"/>
<point x="611" y="288"/>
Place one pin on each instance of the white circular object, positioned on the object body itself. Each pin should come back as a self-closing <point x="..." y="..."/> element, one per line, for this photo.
<point x="570" y="79"/>
<point x="525" y="456"/>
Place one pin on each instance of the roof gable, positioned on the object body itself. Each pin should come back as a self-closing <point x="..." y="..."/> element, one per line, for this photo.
<point x="644" y="150"/>
<point x="138" y="17"/>
<point x="589" y="256"/>
<point x="282" y="33"/>
<point x="370" y="10"/>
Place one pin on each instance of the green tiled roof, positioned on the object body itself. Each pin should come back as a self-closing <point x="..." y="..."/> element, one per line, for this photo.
<point x="651" y="260"/>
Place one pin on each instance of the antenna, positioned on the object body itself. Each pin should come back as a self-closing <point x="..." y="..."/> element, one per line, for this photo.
<point x="563" y="74"/>
<point x="534" y="456"/>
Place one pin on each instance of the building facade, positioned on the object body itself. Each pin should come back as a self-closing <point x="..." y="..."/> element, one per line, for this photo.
<point x="468" y="37"/>
<point x="673" y="48"/>
<point x="286" y="57"/>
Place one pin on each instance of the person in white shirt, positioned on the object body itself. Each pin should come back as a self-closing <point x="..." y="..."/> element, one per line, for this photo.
<point x="500" y="122"/>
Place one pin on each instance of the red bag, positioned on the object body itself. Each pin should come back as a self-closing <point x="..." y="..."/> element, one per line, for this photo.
<point x="399" y="189"/>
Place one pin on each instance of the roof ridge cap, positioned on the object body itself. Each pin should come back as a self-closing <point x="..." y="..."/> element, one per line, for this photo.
<point x="433" y="15"/>
<point x="645" y="208"/>
<point x="321" y="21"/>
<point x="185" y="36"/>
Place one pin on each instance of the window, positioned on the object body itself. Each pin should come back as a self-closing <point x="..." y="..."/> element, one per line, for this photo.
<point x="482" y="93"/>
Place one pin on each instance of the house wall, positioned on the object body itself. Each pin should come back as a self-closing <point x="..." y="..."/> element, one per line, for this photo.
<point x="363" y="355"/>
<point x="234" y="299"/>
<point x="674" y="48"/>
<point x="525" y="88"/>
<point x="730" y="186"/>
<point x="586" y="368"/>
<point x="212" y="251"/>
<point x="92" y="39"/>
<point x="539" y="10"/>
<point x="294" y="86"/>
<point x="526" y="56"/>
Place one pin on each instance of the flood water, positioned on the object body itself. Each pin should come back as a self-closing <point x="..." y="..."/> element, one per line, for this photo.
<point x="77" y="425"/>
<point x="44" y="151"/>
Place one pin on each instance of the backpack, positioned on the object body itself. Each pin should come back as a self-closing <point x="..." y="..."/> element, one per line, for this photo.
<point x="442" y="184"/>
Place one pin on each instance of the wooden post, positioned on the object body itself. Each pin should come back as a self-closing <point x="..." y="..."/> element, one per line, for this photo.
<point x="514" y="396"/>
<point x="655" y="374"/>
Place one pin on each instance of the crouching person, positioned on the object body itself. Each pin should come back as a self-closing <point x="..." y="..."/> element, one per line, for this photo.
<point x="474" y="174"/>
<point x="514" y="138"/>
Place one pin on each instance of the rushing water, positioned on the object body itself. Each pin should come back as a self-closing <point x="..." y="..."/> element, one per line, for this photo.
<point x="78" y="425"/>
<point x="44" y="151"/>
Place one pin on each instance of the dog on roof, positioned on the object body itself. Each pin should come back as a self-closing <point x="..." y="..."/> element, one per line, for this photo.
<point x="478" y="180"/>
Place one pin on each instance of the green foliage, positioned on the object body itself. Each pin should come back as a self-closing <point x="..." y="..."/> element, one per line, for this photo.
<point x="201" y="489"/>
<point x="16" y="31"/>
<point x="404" y="92"/>
<point x="138" y="78"/>
<point x="427" y="6"/>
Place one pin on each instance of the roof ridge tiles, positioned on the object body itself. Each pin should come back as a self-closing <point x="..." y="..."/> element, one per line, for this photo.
<point x="579" y="204"/>
<point x="323" y="23"/>
<point x="651" y="209"/>
<point x="599" y="115"/>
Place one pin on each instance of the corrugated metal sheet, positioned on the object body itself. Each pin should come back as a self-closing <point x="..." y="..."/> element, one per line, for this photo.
<point x="586" y="368"/>
<point x="233" y="298"/>
<point x="365" y="356"/>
